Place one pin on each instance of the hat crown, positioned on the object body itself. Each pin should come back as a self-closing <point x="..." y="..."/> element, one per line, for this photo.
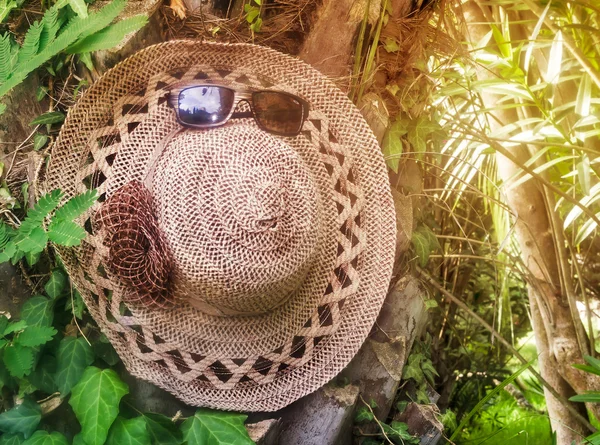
<point x="240" y="212"/>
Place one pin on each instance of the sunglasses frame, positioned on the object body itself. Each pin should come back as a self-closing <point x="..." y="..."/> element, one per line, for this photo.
<point x="239" y="95"/>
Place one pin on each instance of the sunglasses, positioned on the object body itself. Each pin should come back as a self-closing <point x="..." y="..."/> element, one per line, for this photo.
<point x="206" y="106"/>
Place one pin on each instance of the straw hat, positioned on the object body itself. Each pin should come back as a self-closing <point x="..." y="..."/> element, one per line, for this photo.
<point x="194" y="294"/>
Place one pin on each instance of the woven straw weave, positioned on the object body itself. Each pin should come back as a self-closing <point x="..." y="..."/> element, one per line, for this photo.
<point x="279" y="249"/>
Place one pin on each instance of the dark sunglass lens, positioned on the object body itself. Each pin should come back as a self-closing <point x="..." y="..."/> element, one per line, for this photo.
<point x="205" y="105"/>
<point x="277" y="112"/>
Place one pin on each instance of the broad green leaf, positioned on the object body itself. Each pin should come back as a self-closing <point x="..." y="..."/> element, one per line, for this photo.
<point x="42" y="377"/>
<point x="12" y="439"/>
<point x="18" y="360"/>
<point x="128" y="432"/>
<point x="76" y="206"/>
<point x="52" y="117"/>
<point x="422" y="247"/>
<point x="398" y="433"/>
<point x="162" y="429"/>
<point x="56" y="284"/>
<point x="208" y="427"/>
<point x="39" y="140"/>
<point x="46" y="438"/>
<point x="80" y="8"/>
<point x="37" y="311"/>
<point x="392" y="144"/>
<point x="23" y="418"/>
<point x="34" y="242"/>
<point x="363" y="414"/>
<point x="66" y="233"/>
<point x="95" y="401"/>
<point x="73" y="357"/>
<point x="36" y="336"/>
<point x="78" y="440"/>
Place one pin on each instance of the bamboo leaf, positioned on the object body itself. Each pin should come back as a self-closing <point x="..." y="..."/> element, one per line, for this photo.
<point x="555" y="59"/>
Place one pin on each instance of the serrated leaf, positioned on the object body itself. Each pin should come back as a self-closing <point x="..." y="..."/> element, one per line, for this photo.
<point x="23" y="418"/>
<point x="76" y="206"/>
<point x="42" y="377"/>
<point x="208" y="427"/>
<point x="162" y="429"/>
<point x="66" y="233"/>
<point x="12" y="439"/>
<point x="14" y="326"/>
<point x="18" y="360"/>
<point x="73" y="357"/>
<point x="35" y="216"/>
<point x="36" y="336"/>
<point x="95" y="401"/>
<point x="37" y="311"/>
<point x="39" y="140"/>
<point x="46" y="438"/>
<point x="392" y="144"/>
<point x="79" y="7"/>
<point x="109" y="37"/>
<point x="128" y="432"/>
<point x="49" y="118"/>
<point x="56" y="284"/>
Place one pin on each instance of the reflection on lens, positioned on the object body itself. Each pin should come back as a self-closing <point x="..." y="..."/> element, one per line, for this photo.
<point x="278" y="112"/>
<point x="205" y="105"/>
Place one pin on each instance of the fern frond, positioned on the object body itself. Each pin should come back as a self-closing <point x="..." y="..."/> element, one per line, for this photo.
<point x="31" y="43"/>
<point x="35" y="217"/>
<point x="6" y="234"/>
<point x="102" y="18"/>
<point x="50" y="26"/>
<point x="33" y="242"/>
<point x="66" y="233"/>
<point x="76" y="206"/>
<point x="109" y="37"/>
<point x="5" y="57"/>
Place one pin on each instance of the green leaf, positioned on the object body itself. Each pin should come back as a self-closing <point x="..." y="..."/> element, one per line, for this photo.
<point x="41" y="93"/>
<point x="56" y="284"/>
<point x="390" y="45"/>
<point x="18" y="360"/>
<point x="34" y="242"/>
<point x="23" y="418"/>
<point x="95" y="401"/>
<point x="42" y="377"/>
<point x="46" y="438"/>
<point x="36" y="336"/>
<point x="51" y="117"/>
<point x="208" y="427"/>
<point x="39" y="140"/>
<point x="12" y="439"/>
<point x="75" y="304"/>
<point x="35" y="216"/>
<point x="76" y="206"/>
<point x="363" y="414"/>
<point x="422" y="248"/>
<point x="5" y="8"/>
<point x="66" y="233"/>
<point x="128" y="432"/>
<point x="398" y="433"/>
<point x="110" y="36"/>
<point x="73" y="357"/>
<point x="78" y="440"/>
<point x="80" y="8"/>
<point x="37" y="311"/>
<point x="14" y="326"/>
<point x="419" y="133"/>
<point x="162" y="430"/>
<point x="588" y="397"/>
<point x="392" y="144"/>
<point x="104" y="350"/>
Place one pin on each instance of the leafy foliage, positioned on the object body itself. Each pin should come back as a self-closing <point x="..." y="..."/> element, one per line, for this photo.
<point x="208" y="427"/>
<point x="31" y="237"/>
<point x="23" y="418"/>
<point x="128" y="432"/>
<point x="73" y="357"/>
<point x="162" y="429"/>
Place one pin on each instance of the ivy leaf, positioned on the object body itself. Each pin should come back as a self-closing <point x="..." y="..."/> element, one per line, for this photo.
<point x="12" y="439"/>
<point x="162" y="429"/>
<point x="128" y="432"/>
<point x="422" y="248"/>
<point x="76" y="206"/>
<point x="209" y="427"/>
<point x="398" y="432"/>
<point x="42" y="377"/>
<point x="37" y="311"/>
<point x="46" y="438"/>
<point x="78" y="440"/>
<point x="95" y="401"/>
<point x="36" y="336"/>
<point x="66" y="233"/>
<point x="18" y="360"/>
<point x="56" y="284"/>
<point x="419" y="132"/>
<point x="52" y="117"/>
<point x="23" y="418"/>
<point x="74" y="355"/>
<point x="39" y="140"/>
<point x="363" y="414"/>
<point x="392" y="144"/>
